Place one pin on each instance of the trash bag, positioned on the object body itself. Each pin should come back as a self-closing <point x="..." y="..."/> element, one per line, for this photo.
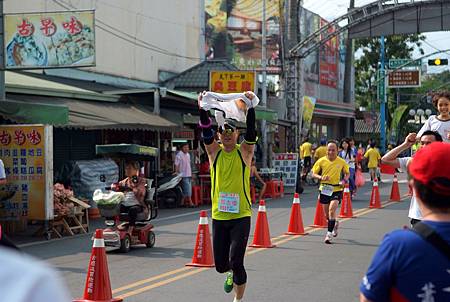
<point x="359" y="178"/>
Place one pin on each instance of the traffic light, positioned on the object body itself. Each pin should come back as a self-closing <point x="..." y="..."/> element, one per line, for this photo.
<point x="437" y="62"/>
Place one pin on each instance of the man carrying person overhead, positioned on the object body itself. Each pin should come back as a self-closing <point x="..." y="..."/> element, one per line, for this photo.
<point x="328" y="170"/>
<point x="230" y="165"/>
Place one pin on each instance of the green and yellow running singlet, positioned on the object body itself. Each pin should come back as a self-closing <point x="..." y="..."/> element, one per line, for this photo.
<point x="230" y="186"/>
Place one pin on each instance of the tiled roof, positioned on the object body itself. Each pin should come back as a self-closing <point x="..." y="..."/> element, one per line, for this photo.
<point x="87" y="85"/>
<point x="196" y="78"/>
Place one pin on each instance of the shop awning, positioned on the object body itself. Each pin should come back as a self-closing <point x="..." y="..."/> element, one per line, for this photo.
<point x="84" y="114"/>
<point x="34" y="113"/>
<point x="188" y="95"/>
<point x="266" y="114"/>
<point x="102" y="115"/>
<point x="126" y="149"/>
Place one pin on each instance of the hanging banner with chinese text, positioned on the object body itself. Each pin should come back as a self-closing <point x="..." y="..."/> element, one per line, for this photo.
<point x="45" y="40"/>
<point x="308" y="109"/>
<point x="232" y="81"/>
<point x="24" y="154"/>
<point x="328" y="59"/>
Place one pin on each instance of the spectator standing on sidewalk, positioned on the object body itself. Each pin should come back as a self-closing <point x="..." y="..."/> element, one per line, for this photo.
<point x="183" y="167"/>
<point x="413" y="265"/>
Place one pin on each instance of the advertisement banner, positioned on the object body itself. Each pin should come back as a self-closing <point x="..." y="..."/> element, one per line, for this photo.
<point x="234" y="32"/>
<point x="329" y="60"/>
<point x="23" y="152"/>
<point x="308" y="24"/>
<point x="46" y="40"/>
<point x="308" y="109"/>
<point x="232" y="81"/>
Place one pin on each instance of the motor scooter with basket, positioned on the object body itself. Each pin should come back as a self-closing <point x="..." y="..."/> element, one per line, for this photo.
<point x="110" y="198"/>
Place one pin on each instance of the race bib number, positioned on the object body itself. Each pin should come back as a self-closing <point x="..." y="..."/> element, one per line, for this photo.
<point x="327" y="190"/>
<point x="229" y="202"/>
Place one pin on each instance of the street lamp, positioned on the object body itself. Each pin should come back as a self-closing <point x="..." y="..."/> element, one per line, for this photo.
<point x="417" y="115"/>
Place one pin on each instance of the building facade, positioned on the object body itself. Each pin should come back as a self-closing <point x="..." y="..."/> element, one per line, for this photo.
<point x="139" y="41"/>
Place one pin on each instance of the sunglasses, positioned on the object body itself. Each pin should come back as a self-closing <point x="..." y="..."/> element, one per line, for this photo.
<point x="226" y="131"/>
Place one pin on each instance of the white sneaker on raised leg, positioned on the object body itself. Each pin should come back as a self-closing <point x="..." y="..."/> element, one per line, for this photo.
<point x="335" y="230"/>
<point x="328" y="238"/>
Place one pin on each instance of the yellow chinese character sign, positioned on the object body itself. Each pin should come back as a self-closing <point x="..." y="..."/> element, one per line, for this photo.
<point x="22" y="149"/>
<point x="232" y="81"/>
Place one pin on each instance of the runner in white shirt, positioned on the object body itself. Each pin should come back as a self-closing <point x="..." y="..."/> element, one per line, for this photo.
<point x="391" y="158"/>
<point x="25" y="279"/>
<point x="441" y="122"/>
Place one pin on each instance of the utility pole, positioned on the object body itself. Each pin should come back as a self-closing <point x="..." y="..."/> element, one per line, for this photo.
<point x="382" y="97"/>
<point x="348" y="73"/>
<point x="2" y="54"/>
<point x="264" y="87"/>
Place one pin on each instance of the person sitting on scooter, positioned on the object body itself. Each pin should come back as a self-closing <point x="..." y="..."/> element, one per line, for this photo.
<point x="134" y="193"/>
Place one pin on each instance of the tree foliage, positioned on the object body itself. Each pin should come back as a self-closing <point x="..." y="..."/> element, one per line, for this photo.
<point x="367" y="62"/>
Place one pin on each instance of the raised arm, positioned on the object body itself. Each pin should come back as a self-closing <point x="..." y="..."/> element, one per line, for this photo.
<point x="391" y="158"/>
<point x="248" y="146"/>
<point x="211" y="146"/>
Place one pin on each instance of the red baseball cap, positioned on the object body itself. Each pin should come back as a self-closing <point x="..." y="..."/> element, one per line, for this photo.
<point x="431" y="166"/>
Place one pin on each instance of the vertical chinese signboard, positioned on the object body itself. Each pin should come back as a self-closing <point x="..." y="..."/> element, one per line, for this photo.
<point x="232" y="81"/>
<point x="26" y="151"/>
<point x="288" y="164"/>
<point x="45" y="40"/>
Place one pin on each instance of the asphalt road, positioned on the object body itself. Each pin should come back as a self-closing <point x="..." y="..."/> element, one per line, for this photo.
<point x="300" y="268"/>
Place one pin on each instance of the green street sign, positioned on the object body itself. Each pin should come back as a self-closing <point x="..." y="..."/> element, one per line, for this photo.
<point x="381" y="85"/>
<point x="396" y="63"/>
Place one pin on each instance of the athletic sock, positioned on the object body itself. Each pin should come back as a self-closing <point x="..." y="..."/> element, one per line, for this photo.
<point x="331" y="224"/>
<point x="237" y="300"/>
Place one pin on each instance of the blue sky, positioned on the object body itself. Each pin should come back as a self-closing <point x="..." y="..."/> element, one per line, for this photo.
<point x="330" y="9"/>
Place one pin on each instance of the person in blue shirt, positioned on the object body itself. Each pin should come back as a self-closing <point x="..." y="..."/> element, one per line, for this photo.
<point x="407" y="267"/>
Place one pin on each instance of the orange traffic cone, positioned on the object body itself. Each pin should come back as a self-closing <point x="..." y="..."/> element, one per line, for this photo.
<point x="98" y="286"/>
<point x="261" y="237"/>
<point x="375" y="196"/>
<point x="346" y="207"/>
<point x="395" y="191"/>
<point x="320" y="220"/>
<point x="203" y="255"/>
<point x="296" y="222"/>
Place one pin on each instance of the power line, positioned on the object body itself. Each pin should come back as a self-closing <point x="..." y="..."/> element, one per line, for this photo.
<point x="125" y="36"/>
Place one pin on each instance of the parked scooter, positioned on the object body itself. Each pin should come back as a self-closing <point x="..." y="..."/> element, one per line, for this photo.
<point x="169" y="191"/>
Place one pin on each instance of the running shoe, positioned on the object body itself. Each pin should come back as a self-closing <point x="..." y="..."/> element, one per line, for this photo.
<point x="328" y="238"/>
<point x="335" y="230"/>
<point x="228" y="285"/>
